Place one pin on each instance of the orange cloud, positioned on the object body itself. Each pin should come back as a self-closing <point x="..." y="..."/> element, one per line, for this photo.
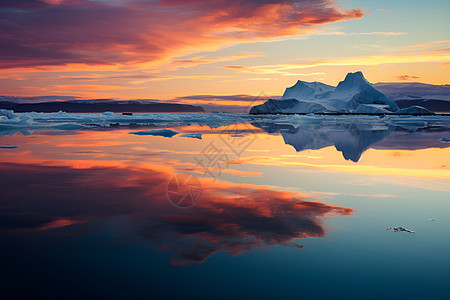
<point x="131" y="32"/>
<point x="292" y="69"/>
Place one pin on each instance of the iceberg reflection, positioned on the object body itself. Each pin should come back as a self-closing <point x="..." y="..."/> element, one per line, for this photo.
<point x="354" y="136"/>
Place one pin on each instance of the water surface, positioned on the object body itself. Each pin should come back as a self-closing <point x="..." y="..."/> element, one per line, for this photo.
<point x="288" y="206"/>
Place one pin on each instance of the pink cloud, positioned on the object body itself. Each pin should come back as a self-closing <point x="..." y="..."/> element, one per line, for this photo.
<point x="46" y="33"/>
<point x="407" y="77"/>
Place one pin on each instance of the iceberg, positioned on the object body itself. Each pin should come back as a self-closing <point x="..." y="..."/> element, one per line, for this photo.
<point x="352" y="95"/>
<point x="372" y="109"/>
<point x="356" y="90"/>
<point x="308" y="90"/>
<point x="272" y="106"/>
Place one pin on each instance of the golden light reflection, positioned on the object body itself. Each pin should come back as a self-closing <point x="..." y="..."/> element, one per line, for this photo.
<point x="119" y="148"/>
<point x="233" y="217"/>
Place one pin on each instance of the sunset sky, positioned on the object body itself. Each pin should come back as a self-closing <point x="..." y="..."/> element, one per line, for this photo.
<point x="173" y="49"/>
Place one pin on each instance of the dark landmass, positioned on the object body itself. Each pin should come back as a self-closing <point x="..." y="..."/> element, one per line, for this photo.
<point x="98" y="106"/>
<point x="405" y="94"/>
<point x="431" y="104"/>
<point x="357" y="114"/>
<point x="38" y="99"/>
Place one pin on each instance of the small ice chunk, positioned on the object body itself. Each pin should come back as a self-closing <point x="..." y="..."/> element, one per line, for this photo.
<point x="9" y="114"/>
<point x="400" y="229"/>
<point x="193" y="135"/>
<point x="8" y="146"/>
<point x="162" y="132"/>
<point x="431" y="220"/>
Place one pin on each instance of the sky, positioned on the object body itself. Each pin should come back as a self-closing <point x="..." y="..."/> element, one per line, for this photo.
<point x="221" y="51"/>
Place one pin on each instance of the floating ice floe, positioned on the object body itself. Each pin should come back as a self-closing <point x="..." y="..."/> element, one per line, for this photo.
<point x="400" y="229"/>
<point x="192" y="135"/>
<point x="163" y="132"/>
<point x="25" y="123"/>
<point x="42" y="121"/>
<point x="8" y="146"/>
<point x="12" y="123"/>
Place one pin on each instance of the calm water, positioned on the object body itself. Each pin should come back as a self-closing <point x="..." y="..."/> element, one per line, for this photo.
<point x="261" y="209"/>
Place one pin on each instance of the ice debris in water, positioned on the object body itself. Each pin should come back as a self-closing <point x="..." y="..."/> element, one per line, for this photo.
<point x="25" y="123"/>
<point x="400" y="229"/>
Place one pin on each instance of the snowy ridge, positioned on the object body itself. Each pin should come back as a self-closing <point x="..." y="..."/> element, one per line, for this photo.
<point x="307" y="90"/>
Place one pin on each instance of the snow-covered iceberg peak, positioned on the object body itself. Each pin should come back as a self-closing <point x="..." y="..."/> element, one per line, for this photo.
<point x="352" y="82"/>
<point x="303" y="90"/>
<point x="356" y="90"/>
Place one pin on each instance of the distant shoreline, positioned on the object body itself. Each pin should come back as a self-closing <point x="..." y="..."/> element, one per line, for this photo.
<point x="100" y="107"/>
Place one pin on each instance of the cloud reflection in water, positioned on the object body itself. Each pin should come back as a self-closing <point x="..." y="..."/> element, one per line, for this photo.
<point x="229" y="217"/>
